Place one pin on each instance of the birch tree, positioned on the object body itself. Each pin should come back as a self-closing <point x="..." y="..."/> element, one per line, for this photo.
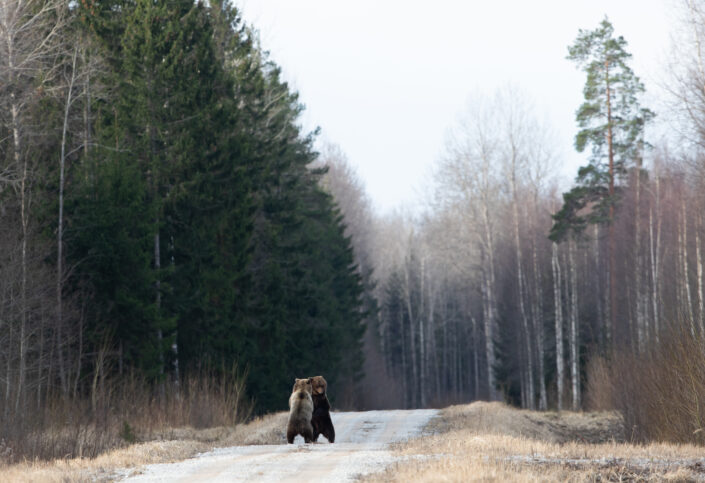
<point x="468" y="177"/>
<point x="30" y="43"/>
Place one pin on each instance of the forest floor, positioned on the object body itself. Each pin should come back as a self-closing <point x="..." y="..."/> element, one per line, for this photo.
<point x="479" y="441"/>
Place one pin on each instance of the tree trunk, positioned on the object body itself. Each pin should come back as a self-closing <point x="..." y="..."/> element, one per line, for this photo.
<point x="404" y="358"/>
<point x="412" y="337"/>
<point x="422" y="337"/>
<point x="685" y="278"/>
<point x="60" y="224"/>
<point x="558" y="309"/>
<point x="537" y="315"/>
<point x="654" y="257"/>
<point x="490" y="319"/>
<point x="640" y="322"/>
<point x="530" y="396"/>
<point x="612" y="241"/>
<point x="574" y="329"/>
<point x="699" y="262"/>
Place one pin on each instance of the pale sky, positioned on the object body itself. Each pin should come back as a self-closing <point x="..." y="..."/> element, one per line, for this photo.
<point x="386" y="79"/>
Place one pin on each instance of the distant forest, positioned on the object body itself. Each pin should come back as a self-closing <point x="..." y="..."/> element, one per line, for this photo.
<point x="163" y="215"/>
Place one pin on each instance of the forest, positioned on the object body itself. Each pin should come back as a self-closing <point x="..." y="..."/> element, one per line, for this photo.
<point x="173" y="242"/>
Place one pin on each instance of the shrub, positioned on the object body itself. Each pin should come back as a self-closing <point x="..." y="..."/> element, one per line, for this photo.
<point x="660" y="393"/>
<point x="118" y="412"/>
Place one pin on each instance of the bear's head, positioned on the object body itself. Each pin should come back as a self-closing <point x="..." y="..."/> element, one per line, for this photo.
<point x="302" y="385"/>
<point x="318" y="384"/>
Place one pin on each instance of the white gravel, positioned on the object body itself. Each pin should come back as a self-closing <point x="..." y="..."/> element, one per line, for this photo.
<point x="361" y="447"/>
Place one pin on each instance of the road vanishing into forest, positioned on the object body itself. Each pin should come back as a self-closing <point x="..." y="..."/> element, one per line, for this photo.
<point x="361" y="447"/>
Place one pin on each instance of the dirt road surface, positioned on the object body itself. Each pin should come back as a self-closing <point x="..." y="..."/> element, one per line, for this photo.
<point x="361" y="447"/>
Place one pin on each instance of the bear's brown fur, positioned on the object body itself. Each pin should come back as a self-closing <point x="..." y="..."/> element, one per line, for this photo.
<point x="300" y="411"/>
<point x="321" y="421"/>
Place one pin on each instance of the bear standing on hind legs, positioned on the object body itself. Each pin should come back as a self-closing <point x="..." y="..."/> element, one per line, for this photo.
<point x="321" y="421"/>
<point x="300" y="412"/>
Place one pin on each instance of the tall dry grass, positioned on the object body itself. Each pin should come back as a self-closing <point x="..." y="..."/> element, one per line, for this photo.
<point x="118" y="412"/>
<point x="660" y="393"/>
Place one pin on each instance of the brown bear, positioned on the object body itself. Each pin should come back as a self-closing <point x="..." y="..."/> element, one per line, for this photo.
<point x="321" y="421"/>
<point x="300" y="411"/>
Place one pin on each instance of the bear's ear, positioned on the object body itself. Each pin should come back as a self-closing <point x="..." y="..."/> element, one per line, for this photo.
<point x="310" y="379"/>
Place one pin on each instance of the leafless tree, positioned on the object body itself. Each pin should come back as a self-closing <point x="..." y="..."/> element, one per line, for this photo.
<point x="30" y="46"/>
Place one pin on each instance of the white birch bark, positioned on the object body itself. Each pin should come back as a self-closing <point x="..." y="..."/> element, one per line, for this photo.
<point x="574" y="329"/>
<point x="530" y="396"/>
<point x="699" y="266"/>
<point x="654" y="249"/>
<point x="558" y="311"/>
<point x="640" y="322"/>
<point x="412" y="336"/>
<point x="683" y="247"/>
<point x="537" y="315"/>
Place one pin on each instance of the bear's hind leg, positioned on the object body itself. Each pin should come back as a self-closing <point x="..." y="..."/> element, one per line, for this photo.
<point x="329" y="431"/>
<point x="308" y="435"/>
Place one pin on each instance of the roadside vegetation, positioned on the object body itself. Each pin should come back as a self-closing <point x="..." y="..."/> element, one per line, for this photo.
<point x="167" y="445"/>
<point x="493" y="442"/>
<point x="123" y="412"/>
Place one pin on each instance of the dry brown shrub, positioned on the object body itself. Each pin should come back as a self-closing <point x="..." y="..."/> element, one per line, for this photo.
<point x="174" y="444"/>
<point x="660" y="393"/>
<point x="598" y="391"/>
<point x="121" y="412"/>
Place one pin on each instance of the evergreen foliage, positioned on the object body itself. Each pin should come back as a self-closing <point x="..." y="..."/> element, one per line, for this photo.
<point x="611" y="122"/>
<point x="198" y="231"/>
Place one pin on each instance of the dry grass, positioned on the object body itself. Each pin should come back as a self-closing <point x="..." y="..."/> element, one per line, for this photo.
<point x="116" y="412"/>
<point x="171" y="445"/>
<point x="493" y="442"/>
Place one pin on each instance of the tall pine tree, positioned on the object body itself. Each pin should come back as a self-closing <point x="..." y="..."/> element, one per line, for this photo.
<point x="611" y="121"/>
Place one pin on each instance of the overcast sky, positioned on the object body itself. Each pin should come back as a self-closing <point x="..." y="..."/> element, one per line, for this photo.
<point x="386" y="79"/>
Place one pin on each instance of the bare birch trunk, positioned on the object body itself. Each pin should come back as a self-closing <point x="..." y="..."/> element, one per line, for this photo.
<point x="490" y="320"/>
<point x="537" y="315"/>
<point x="530" y="396"/>
<point x="683" y="242"/>
<point x="404" y="378"/>
<point x="654" y="256"/>
<point x="24" y="219"/>
<point x="422" y="336"/>
<point x="640" y="322"/>
<point x="60" y="223"/>
<point x="558" y="309"/>
<point x="699" y="262"/>
<point x="574" y="329"/>
<point x="412" y="337"/>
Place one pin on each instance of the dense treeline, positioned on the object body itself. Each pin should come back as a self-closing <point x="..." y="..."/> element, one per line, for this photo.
<point x="503" y="288"/>
<point x="159" y="215"/>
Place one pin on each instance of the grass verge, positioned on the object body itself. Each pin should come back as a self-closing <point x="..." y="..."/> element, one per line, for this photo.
<point x="493" y="442"/>
<point x="168" y="446"/>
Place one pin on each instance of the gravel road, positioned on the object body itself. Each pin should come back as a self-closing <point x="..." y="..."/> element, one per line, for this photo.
<point x="361" y="447"/>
